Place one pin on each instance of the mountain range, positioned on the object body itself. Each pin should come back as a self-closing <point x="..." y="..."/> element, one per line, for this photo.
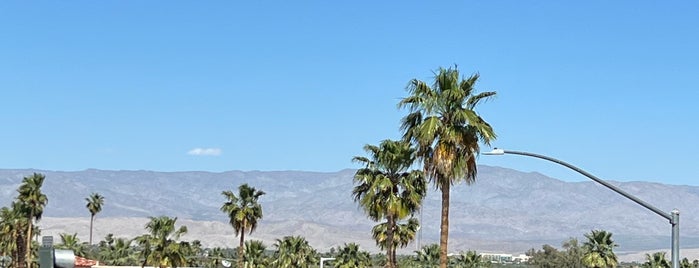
<point x="503" y="211"/>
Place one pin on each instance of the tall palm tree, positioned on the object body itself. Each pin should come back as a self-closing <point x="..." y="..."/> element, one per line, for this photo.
<point x="160" y="247"/>
<point x="294" y="251"/>
<point x="255" y="256"/>
<point x="32" y="202"/>
<point x="657" y="260"/>
<point x="445" y="127"/>
<point x="243" y="211"/>
<point x="599" y="250"/>
<point x="94" y="205"/>
<point x="387" y="189"/>
<point x="350" y="256"/>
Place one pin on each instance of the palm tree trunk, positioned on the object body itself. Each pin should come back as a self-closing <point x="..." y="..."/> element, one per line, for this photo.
<point x="28" y="251"/>
<point x="92" y="219"/>
<point x="391" y="262"/>
<point x="18" y="254"/>
<point x="444" y="228"/>
<point x="240" y="248"/>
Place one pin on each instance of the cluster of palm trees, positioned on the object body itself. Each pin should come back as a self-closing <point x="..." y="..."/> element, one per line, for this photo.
<point x="443" y="133"/>
<point x="17" y="222"/>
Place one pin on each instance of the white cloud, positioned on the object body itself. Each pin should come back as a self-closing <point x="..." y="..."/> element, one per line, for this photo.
<point x="205" y="151"/>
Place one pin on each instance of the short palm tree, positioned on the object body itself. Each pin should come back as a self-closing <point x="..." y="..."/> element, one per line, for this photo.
<point x="599" y="250"/>
<point x="387" y="189"/>
<point x="32" y="202"/>
<point x="117" y="252"/>
<point x="244" y="211"/>
<point x="428" y="256"/>
<point x="159" y="247"/>
<point x="71" y="242"/>
<point x="402" y="236"/>
<point x="350" y="256"/>
<point x="657" y="260"/>
<point x="255" y="256"/>
<point x="94" y="205"/>
<point x="469" y="259"/>
<point x="294" y="251"/>
<point x="447" y="130"/>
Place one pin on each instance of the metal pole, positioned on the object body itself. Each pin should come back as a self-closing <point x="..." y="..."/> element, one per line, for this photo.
<point x="675" y="238"/>
<point x="673" y="217"/>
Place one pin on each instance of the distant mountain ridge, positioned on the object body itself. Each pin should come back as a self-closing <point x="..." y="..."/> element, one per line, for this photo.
<point x="505" y="210"/>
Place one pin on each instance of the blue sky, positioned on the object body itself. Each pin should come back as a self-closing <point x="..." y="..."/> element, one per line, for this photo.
<point x="287" y="85"/>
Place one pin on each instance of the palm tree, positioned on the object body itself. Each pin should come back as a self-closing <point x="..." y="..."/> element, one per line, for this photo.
<point x="446" y="129"/>
<point x="470" y="259"/>
<point x="94" y="205"/>
<point x="160" y="247"/>
<point x="599" y="250"/>
<point x="117" y="252"/>
<point x="387" y="189"/>
<point x="255" y="254"/>
<point x="244" y="211"/>
<point x="71" y="242"/>
<point x="12" y="230"/>
<point x="350" y="256"/>
<point x="657" y="260"/>
<point x="428" y="256"/>
<point x="32" y="202"/>
<point x="403" y="235"/>
<point x="294" y="251"/>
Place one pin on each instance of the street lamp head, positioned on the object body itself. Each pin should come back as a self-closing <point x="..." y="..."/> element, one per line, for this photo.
<point x="495" y="151"/>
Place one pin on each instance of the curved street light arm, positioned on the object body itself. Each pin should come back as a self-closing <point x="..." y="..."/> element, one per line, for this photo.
<point x="600" y="181"/>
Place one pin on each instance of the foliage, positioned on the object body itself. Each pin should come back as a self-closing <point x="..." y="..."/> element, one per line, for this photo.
<point x="118" y="252"/>
<point x="469" y="259"/>
<point x="550" y="257"/>
<point x="404" y="233"/>
<point x="349" y="256"/>
<point x="71" y="242"/>
<point x="599" y="250"/>
<point x="387" y="189"/>
<point x="547" y="257"/>
<point x="255" y="256"/>
<point x="656" y="260"/>
<point x="294" y="251"/>
<point x="13" y="227"/>
<point x="427" y="256"/>
<point x="573" y="254"/>
<point x="243" y="212"/>
<point x="445" y="128"/>
<point x="159" y="247"/>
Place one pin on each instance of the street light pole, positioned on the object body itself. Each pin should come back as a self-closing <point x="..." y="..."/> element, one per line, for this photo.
<point x="673" y="217"/>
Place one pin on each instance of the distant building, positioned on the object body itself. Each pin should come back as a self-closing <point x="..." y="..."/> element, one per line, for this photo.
<point x="504" y="258"/>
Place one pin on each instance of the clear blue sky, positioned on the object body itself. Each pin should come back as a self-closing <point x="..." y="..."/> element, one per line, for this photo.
<point x="610" y="86"/>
